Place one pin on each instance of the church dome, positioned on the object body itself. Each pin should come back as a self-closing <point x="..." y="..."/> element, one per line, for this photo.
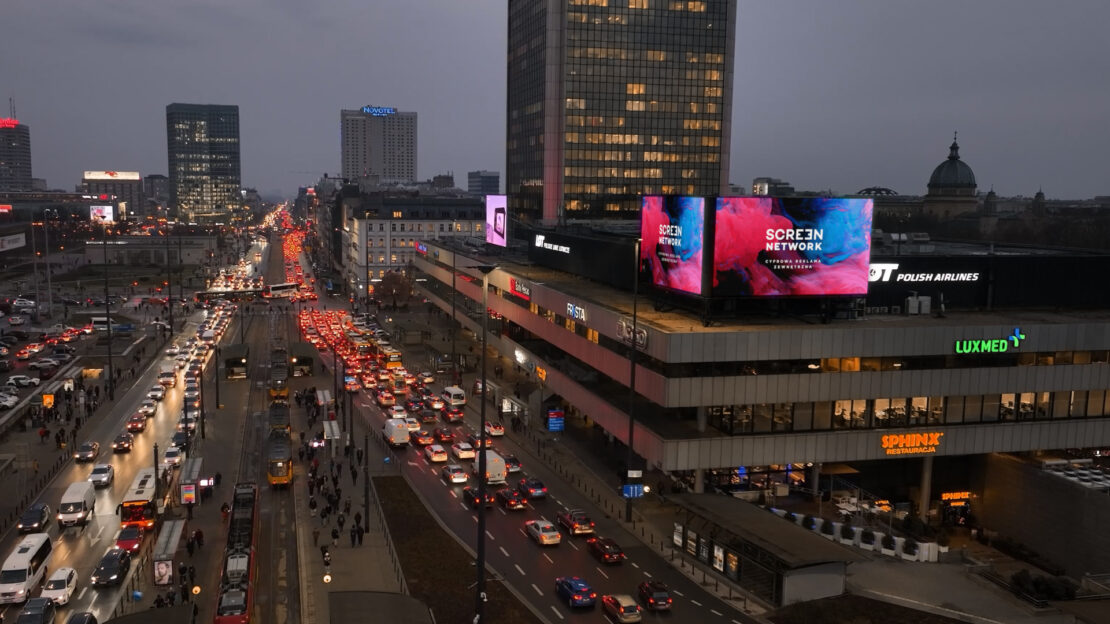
<point x="953" y="173"/>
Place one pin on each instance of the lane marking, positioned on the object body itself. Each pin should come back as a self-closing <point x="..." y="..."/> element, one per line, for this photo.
<point x="81" y="594"/>
<point x="502" y="511"/>
<point x="503" y="551"/>
<point x="453" y="493"/>
<point x="716" y="612"/>
<point x="519" y="569"/>
<point x="634" y="565"/>
<point x="695" y="602"/>
<point x="537" y="589"/>
<point x="572" y="544"/>
<point x="549" y="559"/>
<point x="678" y="593"/>
<point x="647" y="574"/>
<point x="557" y="612"/>
<point x="462" y="504"/>
<point x="602" y="572"/>
<point x="489" y="535"/>
<point x="475" y="519"/>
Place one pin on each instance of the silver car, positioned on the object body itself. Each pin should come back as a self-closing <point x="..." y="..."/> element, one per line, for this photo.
<point x="102" y="475"/>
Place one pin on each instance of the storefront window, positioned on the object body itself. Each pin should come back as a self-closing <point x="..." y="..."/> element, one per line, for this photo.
<point x="1094" y="403"/>
<point x="1025" y="407"/>
<point x="782" y="419"/>
<point x="1046" y="359"/>
<point x="869" y="364"/>
<point x="1081" y="357"/>
<point x="842" y="417"/>
<point x="1061" y="404"/>
<point x="849" y="365"/>
<point x="1079" y="404"/>
<point x="761" y="418"/>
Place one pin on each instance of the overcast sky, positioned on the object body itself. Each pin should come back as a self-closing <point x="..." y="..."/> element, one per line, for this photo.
<point x="827" y="95"/>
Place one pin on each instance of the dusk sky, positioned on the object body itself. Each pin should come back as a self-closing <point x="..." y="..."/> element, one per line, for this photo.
<point x="827" y="95"/>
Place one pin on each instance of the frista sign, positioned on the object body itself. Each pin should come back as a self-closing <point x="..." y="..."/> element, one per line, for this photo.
<point x="912" y="443"/>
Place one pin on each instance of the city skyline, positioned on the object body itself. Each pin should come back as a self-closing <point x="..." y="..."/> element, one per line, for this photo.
<point x="1017" y="80"/>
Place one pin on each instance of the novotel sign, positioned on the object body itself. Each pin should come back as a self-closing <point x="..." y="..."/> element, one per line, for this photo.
<point x="912" y="443"/>
<point x="998" y="345"/>
<point x="379" y="111"/>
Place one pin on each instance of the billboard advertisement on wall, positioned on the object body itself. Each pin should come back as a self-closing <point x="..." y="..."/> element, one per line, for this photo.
<point x="791" y="247"/>
<point x="102" y="214"/>
<point x="497" y="220"/>
<point x="672" y="235"/>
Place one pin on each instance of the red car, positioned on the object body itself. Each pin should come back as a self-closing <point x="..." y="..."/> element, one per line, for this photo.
<point x="444" y="435"/>
<point x="606" y="550"/>
<point x="453" y="415"/>
<point x="136" y="423"/>
<point x="130" y="538"/>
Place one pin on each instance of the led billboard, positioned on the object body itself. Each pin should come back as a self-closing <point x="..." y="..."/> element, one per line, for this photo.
<point x="102" y="214"/>
<point x="793" y="246"/>
<point x="497" y="220"/>
<point x="672" y="234"/>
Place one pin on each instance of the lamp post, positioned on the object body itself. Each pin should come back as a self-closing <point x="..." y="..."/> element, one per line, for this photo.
<point x="108" y="315"/>
<point x="454" y="358"/>
<point x="219" y="361"/>
<point x="169" y="279"/>
<point x="480" y="584"/>
<point x="632" y="380"/>
<point x="46" y="236"/>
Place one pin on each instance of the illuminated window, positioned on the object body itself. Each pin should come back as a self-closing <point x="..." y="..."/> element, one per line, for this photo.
<point x="576" y="103"/>
<point x="634" y="88"/>
<point x="655" y="55"/>
<point x="635" y="105"/>
<point x="591" y="335"/>
<point x="393" y="258"/>
<point x="711" y="57"/>
<point x="572" y="137"/>
<point x="396" y="214"/>
<point x="637" y="4"/>
<point x="712" y="74"/>
<point x="712" y="92"/>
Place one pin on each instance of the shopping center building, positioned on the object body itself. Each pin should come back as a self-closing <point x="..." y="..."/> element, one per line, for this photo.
<point x="1014" y="359"/>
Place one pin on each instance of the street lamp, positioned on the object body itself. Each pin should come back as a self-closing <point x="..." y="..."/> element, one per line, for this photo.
<point x="480" y="585"/>
<point x="108" y="314"/>
<point x="169" y="278"/>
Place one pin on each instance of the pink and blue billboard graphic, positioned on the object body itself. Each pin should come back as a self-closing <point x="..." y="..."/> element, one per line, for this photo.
<point x="789" y="247"/>
<point x="672" y="233"/>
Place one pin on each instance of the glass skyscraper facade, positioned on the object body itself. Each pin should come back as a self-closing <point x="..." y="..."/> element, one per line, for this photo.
<point x="15" y="156"/>
<point x="204" y="167"/>
<point x="609" y="100"/>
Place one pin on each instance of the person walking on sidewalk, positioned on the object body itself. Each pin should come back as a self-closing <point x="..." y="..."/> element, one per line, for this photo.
<point x="334" y="537"/>
<point x="361" y="532"/>
<point x="341" y="520"/>
<point x="358" y="518"/>
<point x="354" y="535"/>
<point x="316" y="536"/>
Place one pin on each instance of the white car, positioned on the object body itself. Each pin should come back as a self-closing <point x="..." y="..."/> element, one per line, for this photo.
<point x="157" y="393"/>
<point x="60" y="586"/>
<point x="102" y="475"/>
<point x="192" y="392"/>
<point x="454" y="473"/>
<point x="426" y="378"/>
<point x="173" y="457"/>
<point x="173" y="350"/>
<point x="462" y="450"/>
<point x="494" y="429"/>
<point x="148" y="407"/>
<point x="42" y="363"/>
<point x="543" y="532"/>
<point x="410" y="422"/>
<point x="435" y="453"/>
<point x="16" y="320"/>
<point x="22" y="381"/>
<point x="8" y="401"/>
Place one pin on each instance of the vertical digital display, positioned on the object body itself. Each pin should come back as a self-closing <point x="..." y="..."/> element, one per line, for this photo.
<point x="672" y="233"/>
<point x="795" y="246"/>
<point x="497" y="220"/>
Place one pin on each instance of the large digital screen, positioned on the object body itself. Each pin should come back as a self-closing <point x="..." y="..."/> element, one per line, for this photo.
<point x="102" y="214"/>
<point x="497" y="220"/>
<point x="672" y="234"/>
<point x="793" y="246"/>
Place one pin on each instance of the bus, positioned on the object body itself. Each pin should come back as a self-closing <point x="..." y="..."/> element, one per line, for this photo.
<point x="279" y="459"/>
<point x="247" y="294"/>
<point x="391" y="358"/>
<point x="236" y="592"/>
<point x="279" y="417"/>
<point x="139" y="507"/>
<point x="279" y="291"/>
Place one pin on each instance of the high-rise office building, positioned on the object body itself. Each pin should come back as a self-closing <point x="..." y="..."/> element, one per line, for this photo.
<point x="125" y="186"/>
<point x="606" y="103"/>
<point x="15" y="156"/>
<point x="378" y="141"/>
<point x="204" y="169"/>
<point x="483" y="182"/>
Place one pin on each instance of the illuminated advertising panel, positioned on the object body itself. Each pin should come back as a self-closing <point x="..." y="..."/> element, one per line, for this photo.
<point x="102" y="214"/>
<point x="794" y="246"/>
<point x="112" y="175"/>
<point x="497" y="220"/>
<point x="672" y="233"/>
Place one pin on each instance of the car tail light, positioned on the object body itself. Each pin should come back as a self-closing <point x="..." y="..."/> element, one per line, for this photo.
<point x="593" y="594"/>
<point x="577" y="597"/>
<point x="543" y="489"/>
<point x="651" y="601"/>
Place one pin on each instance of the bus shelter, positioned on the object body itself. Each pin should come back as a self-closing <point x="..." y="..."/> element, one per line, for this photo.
<point x="189" y="481"/>
<point x="303" y="359"/>
<point x="236" y="360"/>
<point x="165" y="551"/>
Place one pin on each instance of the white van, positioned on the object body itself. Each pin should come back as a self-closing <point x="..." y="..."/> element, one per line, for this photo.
<point x="496" y="470"/>
<point x="78" y="504"/>
<point x="454" y="396"/>
<point x="23" y="570"/>
<point x="395" y="432"/>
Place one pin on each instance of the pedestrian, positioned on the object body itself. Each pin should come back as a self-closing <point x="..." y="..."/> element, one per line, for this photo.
<point x="192" y="575"/>
<point x="354" y="535"/>
<point x="359" y="455"/>
<point x="225" y="510"/>
<point x="354" y="475"/>
<point x="335" y="537"/>
<point x="300" y="454"/>
<point x="347" y="505"/>
<point x="171" y="597"/>
<point x="315" y="536"/>
<point x="338" y="495"/>
<point x="341" y="520"/>
<point x="217" y="479"/>
<point x="361" y="532"/>
<point x="311" y="486"/>
<point x="189" y="510"/>
<point x="184" y="592"/>
<point x="199" y="537"/>
<point x="190" y="545"/>
<point x="334" y="481"/>
<point x="358" y="518"/>
<point x="35" y="465"/>
<point x="312" y="505"/>
<point x="182" y="570"/>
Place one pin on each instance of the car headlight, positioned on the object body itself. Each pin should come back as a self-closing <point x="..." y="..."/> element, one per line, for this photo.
<point x="113" y="577"/>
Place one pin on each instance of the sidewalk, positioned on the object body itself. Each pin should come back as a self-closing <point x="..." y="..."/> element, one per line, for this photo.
<point x="370" y="565"/>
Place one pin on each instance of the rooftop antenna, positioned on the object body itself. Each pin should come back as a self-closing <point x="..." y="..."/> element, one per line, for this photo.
<point x="11" y="107"/>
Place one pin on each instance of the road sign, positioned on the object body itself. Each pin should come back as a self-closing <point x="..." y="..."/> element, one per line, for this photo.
<point x="635" y="474"/>
<point x="634" y="490"/>
<point x="555" y="420"/>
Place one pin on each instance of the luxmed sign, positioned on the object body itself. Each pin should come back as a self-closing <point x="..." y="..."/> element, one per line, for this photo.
<point x="1001" y="345"/>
